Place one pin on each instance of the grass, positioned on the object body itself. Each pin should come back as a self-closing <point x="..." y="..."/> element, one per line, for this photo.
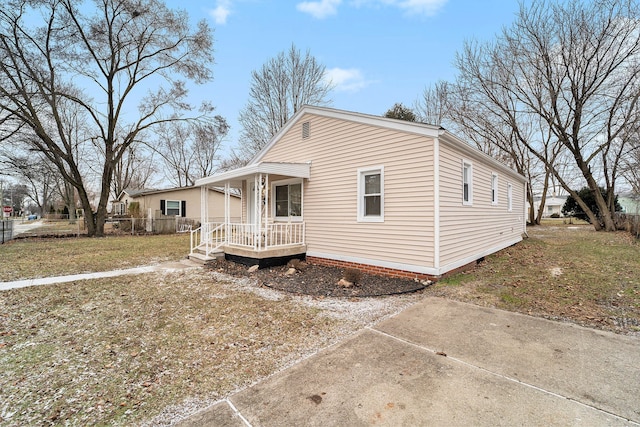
<point x="147" y="348"/>
<point x="119" y="351"/>
<point x="560" y="272"/>
<point x="34" y="258"/>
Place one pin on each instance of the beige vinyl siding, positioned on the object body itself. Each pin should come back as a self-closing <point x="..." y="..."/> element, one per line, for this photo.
<point x="336" y="150"/>
<point x="192" y="198"/>
<point x="468" y="231"/>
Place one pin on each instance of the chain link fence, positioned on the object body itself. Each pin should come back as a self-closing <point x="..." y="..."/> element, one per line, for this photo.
<point x="7" y="230"/>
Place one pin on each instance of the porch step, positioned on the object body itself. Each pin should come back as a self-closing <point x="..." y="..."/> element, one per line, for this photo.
<point x="201" y="258"/>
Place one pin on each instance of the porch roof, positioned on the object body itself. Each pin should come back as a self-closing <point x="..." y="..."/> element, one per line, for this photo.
<point x="236" y="176"/>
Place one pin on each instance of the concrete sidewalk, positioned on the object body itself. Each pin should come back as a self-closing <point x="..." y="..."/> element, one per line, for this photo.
<point x="448" y="363"/>
<point x="167" y="266"/>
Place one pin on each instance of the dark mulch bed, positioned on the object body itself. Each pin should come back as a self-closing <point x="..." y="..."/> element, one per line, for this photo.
<point x="319" y="280"/>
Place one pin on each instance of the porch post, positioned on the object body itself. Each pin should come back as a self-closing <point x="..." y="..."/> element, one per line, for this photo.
<point x="204" y="211"/>
<point x="256" y="211"/>
<point x="226" y="205"/>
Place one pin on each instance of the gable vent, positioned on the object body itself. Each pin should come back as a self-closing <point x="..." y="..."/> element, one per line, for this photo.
<point x="306" y="129"/>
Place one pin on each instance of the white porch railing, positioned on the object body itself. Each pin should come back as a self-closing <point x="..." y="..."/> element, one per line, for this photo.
<point x="212" y="236"/>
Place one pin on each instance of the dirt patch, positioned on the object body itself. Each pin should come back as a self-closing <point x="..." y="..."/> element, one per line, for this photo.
<point x="320" y="280"/>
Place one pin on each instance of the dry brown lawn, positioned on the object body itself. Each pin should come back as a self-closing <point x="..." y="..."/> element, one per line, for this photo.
<point x="155" y="347"/>
<point x="34" y="258"/>
<point x="561" y="272"/>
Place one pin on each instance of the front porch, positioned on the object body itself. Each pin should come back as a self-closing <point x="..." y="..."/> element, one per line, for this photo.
<point x="271" y="229"/>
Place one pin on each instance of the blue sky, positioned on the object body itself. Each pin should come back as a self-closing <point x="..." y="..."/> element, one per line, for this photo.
<point x="377" y="52"/>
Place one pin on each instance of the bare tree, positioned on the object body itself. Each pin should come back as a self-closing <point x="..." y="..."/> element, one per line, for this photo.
<point x="135" y="169"/>
<point x="432" y="107"/>
<point x="574" y="66"/>
<point x="33" y="170"/>
<point x="95" y="60"/>
<point x="278" y="90"/>
<point x="190" y="151"/>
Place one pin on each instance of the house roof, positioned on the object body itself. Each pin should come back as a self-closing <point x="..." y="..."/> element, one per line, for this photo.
<point x="423" y="129"/>
<point x="148" y="191"/>
<point x="294" y="170"/>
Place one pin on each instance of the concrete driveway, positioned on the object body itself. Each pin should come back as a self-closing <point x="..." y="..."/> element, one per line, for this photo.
<point x="448" y="363"/>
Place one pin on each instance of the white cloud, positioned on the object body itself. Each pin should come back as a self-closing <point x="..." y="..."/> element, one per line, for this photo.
<point x="421" y="7"/>
<point x="346" y="80"/>
<point x="221" y="12"/>
<point x="319" y="9"/>
<point x="412" y="7"/>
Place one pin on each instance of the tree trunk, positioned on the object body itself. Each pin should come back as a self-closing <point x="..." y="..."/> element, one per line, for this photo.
<point x="543" y="199"/>
<point x="532" y="208"/>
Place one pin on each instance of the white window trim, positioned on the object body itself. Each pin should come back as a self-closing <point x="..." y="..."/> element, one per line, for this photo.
<point x="494" y="188"/>
<point x="509" y="197"/>
<point x="470" y="183"/>
<point x="361" y="173"/>
<point x="275" y="184"/>
<point x="166" y="207"/>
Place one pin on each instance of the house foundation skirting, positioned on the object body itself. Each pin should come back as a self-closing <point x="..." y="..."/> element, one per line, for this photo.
<point x="370" y="269"/>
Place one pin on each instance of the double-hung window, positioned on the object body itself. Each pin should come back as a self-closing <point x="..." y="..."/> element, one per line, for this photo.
<point x="288" y="200"/>
<point x="173" y="207"/>
<point x="494" y="189"/>
<point x="467" y="183"/>
<point x="371" y="194"/>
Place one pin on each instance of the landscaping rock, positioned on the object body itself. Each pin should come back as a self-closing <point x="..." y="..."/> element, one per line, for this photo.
<point x="253" y="268"/>
<point x="345" y="283"/>
<point x="290" y="271"/>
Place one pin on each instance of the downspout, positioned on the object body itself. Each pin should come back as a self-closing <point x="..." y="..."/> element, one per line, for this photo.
<point x="436" y="204"/>
<point x="524" y="210"/>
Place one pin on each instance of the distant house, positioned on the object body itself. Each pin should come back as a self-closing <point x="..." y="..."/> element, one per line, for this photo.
<point x="630" y="203"/>
<point x="382" y="195"/>
<point x="184" y="202"/>
<point x="552" y="205"/>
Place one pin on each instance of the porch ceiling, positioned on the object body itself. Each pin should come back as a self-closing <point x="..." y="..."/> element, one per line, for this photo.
<point x="236" y="176"/>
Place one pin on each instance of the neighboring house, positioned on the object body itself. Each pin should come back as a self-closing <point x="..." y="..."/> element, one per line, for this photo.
<point x="552" y="205"/>
<point x="630" y="203"/>
<point x="382" y="195"/>
<point x="183" y="202"/>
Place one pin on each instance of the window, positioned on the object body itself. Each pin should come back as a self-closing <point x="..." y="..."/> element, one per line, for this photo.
<point x="173" y="207"/>
<point x="494" y="189"/>
<point x="509" y="198"/>
<point x="288" y="200"/>
<point x="371" y="194"/>
<point x="467" y="183"/>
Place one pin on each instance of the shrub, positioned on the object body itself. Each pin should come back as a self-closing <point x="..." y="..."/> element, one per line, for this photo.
<point x="554" y="215"/>
<point x="134" y="210"/>
<point x="352" y="275"/>
<point x="571" y="207"/>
